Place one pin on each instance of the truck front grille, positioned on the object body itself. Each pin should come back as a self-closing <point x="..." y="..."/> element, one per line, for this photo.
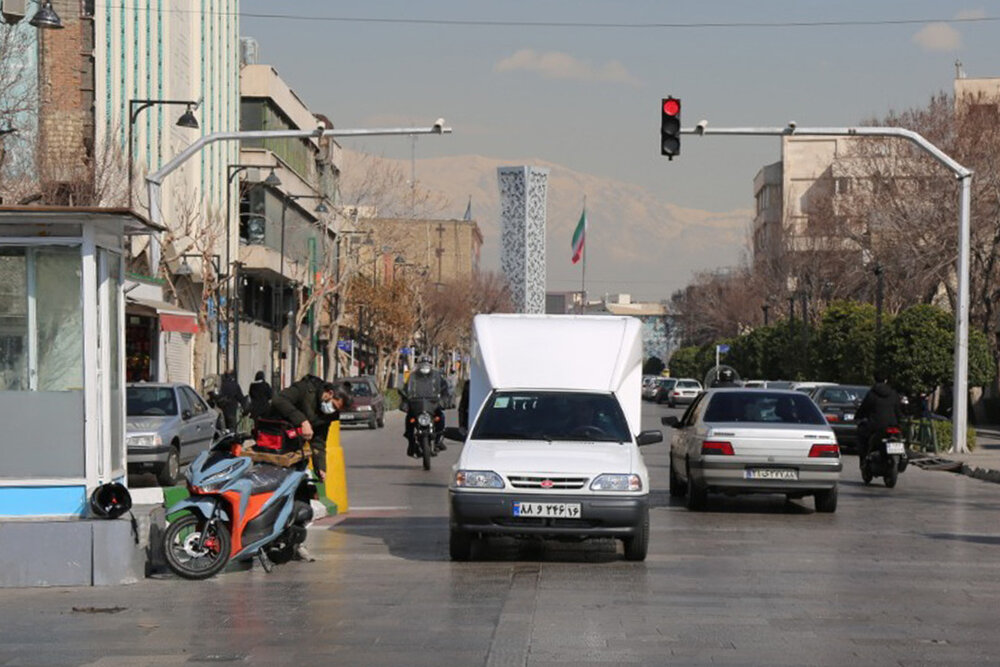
<point x="548" y="483"/>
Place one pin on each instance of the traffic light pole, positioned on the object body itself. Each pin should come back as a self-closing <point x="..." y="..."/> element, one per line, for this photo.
<point x="960" y="389"/>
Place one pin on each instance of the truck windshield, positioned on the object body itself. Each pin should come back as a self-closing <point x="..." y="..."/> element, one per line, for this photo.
<point x="552" y="415"/>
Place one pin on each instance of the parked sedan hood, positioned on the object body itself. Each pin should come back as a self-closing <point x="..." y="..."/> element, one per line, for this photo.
<point x="528" y="456"/>
<point x="141" y="424"/>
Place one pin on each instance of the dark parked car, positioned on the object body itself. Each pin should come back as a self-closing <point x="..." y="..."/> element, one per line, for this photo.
<point x="839" y="403"/>
<point x="368" y="407"/>
<point x="661" y="390"/>
<point x="167" y="425"/>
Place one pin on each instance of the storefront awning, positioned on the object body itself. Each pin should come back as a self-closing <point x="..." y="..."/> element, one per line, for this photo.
<point x="172" y="318"/>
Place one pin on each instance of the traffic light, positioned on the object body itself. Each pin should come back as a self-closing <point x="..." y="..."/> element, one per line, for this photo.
<point x="670" y="127"/>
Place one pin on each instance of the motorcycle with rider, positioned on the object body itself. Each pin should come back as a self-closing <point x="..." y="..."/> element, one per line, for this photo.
<point x="425" y="391"/>
<point x="881" y="448"/>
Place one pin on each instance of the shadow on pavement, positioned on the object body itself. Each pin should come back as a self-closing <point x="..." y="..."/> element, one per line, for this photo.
<point x="387" y="466"/>
<point x="508" y="549"/>
<point x="958" y="537"/>
<point x="412" y="538"/>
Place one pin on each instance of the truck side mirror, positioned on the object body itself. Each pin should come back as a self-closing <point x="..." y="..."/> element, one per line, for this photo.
<point x="649" y="438"/>
<point x="455" y="433"/>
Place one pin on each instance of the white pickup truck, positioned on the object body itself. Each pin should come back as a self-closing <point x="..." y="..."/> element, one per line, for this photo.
<point x="553" y="450"/>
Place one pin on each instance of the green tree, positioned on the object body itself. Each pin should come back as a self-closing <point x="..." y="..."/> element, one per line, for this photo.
<point x="747" y="353"/>
<point x="844" y="345"/>
<point x="653" y="366"/>
<point x="982" y="370"/>
<point x="918" y="349"/>
<point x="683" y="362"/>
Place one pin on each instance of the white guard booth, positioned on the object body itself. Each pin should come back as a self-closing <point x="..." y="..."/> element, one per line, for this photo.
<point x="62" y="394"/>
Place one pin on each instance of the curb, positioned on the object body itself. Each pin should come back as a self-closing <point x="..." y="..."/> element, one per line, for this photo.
<point x="985" y="474"/>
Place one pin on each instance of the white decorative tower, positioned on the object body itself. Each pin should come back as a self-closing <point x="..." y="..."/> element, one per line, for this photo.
<point x="523" y="192"/>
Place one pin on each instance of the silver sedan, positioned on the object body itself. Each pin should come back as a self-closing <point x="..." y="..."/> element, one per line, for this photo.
<point x="754" y="441"/>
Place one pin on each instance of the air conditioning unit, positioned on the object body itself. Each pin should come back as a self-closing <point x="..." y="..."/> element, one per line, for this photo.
<point x="13" y="10"/>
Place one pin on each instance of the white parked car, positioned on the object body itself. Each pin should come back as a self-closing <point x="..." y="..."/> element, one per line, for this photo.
<point x="684" y="391"/>
<point x="553" y="450"/>
<point x="754" y="441"/>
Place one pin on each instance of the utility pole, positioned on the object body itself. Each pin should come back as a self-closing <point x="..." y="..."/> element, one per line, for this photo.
<point x="960" y="384"/>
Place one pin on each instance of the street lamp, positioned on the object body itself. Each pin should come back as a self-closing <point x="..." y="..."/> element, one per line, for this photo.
<point x="231" y="171"/>
<point x="135" y="107"/>
<point x="46" y="17"/>
<point x="879" y="272"/>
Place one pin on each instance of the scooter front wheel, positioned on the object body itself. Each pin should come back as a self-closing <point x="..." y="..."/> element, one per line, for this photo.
<point x="194" y="556"/>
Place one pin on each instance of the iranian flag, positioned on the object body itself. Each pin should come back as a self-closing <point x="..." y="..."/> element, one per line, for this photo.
<point x="580" y="237"/>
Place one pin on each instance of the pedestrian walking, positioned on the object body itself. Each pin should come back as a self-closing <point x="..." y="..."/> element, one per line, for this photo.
<point x="260" y="395"/>
<point x="230" y="400"/>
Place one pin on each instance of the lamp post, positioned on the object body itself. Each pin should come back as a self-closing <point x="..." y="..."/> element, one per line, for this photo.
<point x="135" y="107"/>
<point x="185" y="270"/>
<point x="232" y="171"/>
<point x="879" y="294"/>
<point x="321" y="208"/>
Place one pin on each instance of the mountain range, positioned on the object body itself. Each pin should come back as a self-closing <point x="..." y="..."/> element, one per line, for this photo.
<point x="637" y="243"/>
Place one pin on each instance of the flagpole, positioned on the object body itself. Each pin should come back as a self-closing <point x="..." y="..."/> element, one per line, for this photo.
<point x="583" y="280"/>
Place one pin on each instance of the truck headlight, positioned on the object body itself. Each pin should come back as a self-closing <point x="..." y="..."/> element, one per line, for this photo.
<point x="609" y="482"/>
<point x="478" y="479"/>
<point x="145" y="440"/>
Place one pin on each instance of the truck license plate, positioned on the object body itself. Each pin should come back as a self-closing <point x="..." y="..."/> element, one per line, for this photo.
<point x="547" y="510"/>
<point x="771" y="473"/>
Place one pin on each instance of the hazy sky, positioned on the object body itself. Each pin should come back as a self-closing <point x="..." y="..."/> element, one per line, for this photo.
<point x="588" y="98"/>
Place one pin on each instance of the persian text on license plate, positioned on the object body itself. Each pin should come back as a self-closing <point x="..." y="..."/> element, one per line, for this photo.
<point x="771" y="473"/>
<point x="547" y="510"/>
<point x="894" y="448"/>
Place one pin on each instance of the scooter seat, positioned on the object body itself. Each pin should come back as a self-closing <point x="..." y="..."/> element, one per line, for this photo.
<point x="265" y="477"/>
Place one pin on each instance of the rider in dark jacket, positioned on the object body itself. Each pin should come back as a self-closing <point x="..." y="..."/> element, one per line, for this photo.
<point x="880" y="409"/>
<point x="425" y="385"/>
<point x="260" y="395"/>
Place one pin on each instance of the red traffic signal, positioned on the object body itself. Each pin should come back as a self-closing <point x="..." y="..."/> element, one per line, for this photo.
<point x="670" y="127"/>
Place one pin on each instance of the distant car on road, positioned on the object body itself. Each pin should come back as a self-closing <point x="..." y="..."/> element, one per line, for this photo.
<point x="662" y="389"/>
<point x="839" y="403"/>
<point x="368" y="404"/>
<point x="166" y="426"/>
<point x="754" y="441"/>
<point x="684" y="391"/>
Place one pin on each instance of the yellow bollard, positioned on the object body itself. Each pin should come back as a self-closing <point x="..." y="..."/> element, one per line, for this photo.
<point x="336" y="474"/>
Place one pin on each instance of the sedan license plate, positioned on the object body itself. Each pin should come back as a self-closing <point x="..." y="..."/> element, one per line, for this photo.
<point x="895" y="448"/>
<point x="547" y="510"/>
<point x="346" y="418"/>
<point x="783" y="474"/>
<point x="848" y="416"/>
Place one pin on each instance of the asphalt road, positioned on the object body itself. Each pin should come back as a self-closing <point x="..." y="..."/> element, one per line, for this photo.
<point x="905" y="576"/>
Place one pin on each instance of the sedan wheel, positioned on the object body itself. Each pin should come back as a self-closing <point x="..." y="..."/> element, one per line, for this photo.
<point x="169" y="472"/>
<point x="677" y="487"/>
<point x="826" y="501"/>
<point x="697" y="494"/>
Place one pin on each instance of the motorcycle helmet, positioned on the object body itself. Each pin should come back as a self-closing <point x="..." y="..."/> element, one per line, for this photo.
<point x="424" y="365"/>
<point x="110" y="501"/>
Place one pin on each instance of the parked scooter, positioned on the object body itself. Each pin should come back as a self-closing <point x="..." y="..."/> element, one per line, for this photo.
<point x="237" y="509"/>
<point x="886" y="458"/>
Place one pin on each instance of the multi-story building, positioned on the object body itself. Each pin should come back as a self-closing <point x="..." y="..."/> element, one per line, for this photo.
<point x="111" y="90"/>
<point x="444" y="251"/>
<point x="808" y="201"/>
<point x="289" y="190"/>
<point x="659" y="338"/>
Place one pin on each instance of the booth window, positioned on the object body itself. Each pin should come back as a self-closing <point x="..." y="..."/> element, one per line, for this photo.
<point x="41" y="319"/>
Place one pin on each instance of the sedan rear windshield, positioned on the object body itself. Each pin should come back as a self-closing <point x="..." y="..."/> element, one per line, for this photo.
<point x="550" y="415"/>
<point x="361" y="389"/>
<point x="763" y="407"/>
<point x="150" y="401"/>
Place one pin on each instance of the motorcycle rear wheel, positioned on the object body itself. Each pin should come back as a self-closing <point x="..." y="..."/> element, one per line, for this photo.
<point x="425" y="449"/>
<point x="181" y="539"/>
<point x="891" y="472"/>
<point x="866" y="473"/>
